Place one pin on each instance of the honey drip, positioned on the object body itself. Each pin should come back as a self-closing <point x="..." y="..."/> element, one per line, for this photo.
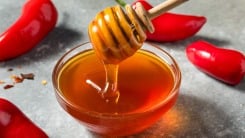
<point x="110" y="92"/>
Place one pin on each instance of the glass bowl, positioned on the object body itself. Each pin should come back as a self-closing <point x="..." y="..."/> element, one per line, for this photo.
<point x="131" y="116"/>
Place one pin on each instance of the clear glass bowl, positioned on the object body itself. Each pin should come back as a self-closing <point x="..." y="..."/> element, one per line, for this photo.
<point x="118" y="124"/>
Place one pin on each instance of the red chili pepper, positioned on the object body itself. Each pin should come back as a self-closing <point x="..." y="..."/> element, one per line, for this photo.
<point x="38" y="18"/>
<point x="14" y="124"/>
<point x="223" y="64"/>
<point x="171" y="27"/>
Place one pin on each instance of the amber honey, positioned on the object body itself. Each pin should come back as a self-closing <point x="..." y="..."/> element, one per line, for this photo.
<point x="145" y="83"/>
<point x="142" y="82"/>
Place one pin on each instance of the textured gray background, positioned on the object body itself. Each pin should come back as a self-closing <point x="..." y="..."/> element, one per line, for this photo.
<point x="205" y="108"/>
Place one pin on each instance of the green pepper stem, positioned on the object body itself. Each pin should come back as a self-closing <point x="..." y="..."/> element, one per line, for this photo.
<point x="121" y="2"/>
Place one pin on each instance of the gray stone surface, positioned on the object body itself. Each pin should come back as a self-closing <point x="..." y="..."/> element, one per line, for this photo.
<point x="205" y="108"/>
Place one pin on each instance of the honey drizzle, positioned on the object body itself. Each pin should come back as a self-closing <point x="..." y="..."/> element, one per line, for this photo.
<point x="110" y="92"/>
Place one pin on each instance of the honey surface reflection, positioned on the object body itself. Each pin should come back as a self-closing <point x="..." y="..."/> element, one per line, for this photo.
<point x="143" y="81"/>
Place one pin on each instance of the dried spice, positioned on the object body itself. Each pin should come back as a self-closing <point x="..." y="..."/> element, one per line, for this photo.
<point x="10" y="69"/>
<point x="2" y="82"/>
<point x="8" y="86"/>
<point x="17" y="79"/>
<point x="29" y="76"/>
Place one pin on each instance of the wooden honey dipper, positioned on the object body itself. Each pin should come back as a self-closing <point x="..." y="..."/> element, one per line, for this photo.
<point x="116" y="35"/>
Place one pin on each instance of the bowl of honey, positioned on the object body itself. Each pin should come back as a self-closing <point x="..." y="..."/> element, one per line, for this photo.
<point x="148" y="83"/>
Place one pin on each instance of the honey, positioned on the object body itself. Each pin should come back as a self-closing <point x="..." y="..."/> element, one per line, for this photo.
<point x="148" y="83"/>
<point x="143" y="81"/>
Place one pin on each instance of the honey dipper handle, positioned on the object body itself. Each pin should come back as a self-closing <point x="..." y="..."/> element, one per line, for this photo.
<point x="163" y="7"/>
<point x="146" y="16"/>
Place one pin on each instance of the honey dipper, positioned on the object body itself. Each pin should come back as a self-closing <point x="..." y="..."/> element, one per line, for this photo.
<point x="116" y="35"/>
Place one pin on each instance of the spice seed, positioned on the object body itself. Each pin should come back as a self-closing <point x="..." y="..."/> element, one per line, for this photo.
<point x="44" y="82"/>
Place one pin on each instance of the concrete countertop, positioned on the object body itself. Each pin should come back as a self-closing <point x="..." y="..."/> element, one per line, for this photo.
<point x="205" y="108"/>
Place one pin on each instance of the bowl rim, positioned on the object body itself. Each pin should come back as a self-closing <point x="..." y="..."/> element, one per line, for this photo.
<point x="173" y="92"/>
